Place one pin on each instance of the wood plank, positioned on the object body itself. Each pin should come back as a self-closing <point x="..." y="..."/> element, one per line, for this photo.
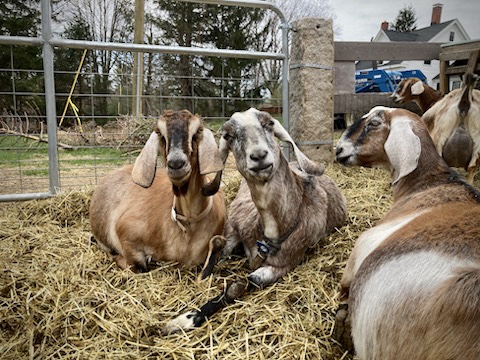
<point x="443" y="77"/>
<point x="472" y="61"/>
<point x="398" y="50"/>
<point x="467" y="45"/>
<point x="456" y="70"/>
<point x="456" y="55"/>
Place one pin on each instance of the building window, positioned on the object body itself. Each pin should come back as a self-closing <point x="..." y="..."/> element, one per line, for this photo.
<point x="456" y="84"/>
<point x="452" y="35"/>
<point x="428" y="62"/>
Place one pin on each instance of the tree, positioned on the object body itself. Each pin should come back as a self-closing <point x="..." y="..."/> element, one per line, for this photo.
<point x="21" y="18"/>
<point x="107" y="21"/>
<point x="405" y="20"/>
<point x="200" y="77"/>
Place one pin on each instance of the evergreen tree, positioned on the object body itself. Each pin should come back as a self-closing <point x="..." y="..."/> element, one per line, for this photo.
<point x="21" y="18"/>
<point x="405" y="20"/>
<point x="212" y="26"/>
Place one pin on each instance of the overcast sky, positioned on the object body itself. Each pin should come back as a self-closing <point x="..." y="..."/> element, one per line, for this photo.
<point x="359" y="20"/>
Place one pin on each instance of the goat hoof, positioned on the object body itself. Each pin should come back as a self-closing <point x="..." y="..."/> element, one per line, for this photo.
<point x="181" y="322"/>
<point x="342" y="330"/>
<point x="235" y="290"/>
<point x="218" y="242"/>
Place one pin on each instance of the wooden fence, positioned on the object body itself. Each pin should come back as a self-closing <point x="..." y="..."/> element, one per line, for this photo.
<point x="347" y="53"/>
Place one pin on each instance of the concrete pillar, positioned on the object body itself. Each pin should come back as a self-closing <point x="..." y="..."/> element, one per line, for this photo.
<point x="311" y="88"/>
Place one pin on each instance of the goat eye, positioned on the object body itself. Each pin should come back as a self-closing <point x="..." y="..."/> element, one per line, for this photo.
<point x="374" y="123"/>
<point x="268" y="125"/>
<point x="227" y="136"/>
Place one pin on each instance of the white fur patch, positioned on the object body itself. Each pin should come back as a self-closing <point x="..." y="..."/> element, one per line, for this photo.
<point x="411" y="276"/>
<point x="347" y="147"/>
<point x="247" y="118"/>
<point x="372" y="238"/>
<point x="377" y="108"/>
<point x="181" y="322"/>
<point x="264" y="275"/>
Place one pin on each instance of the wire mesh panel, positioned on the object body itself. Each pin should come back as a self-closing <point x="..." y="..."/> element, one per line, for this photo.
<point x="72" y="110"/>
<point x="96" y="131"/>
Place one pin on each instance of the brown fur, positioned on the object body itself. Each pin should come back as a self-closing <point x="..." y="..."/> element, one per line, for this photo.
<point x="425" y="100"/>
<point x="135" y="222"/>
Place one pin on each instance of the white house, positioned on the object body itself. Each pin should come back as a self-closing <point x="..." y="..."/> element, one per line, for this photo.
<point x="438" y="32"/>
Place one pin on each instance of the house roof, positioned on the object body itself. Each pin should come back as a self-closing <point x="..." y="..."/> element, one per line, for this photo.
<point x="424" y="34"/>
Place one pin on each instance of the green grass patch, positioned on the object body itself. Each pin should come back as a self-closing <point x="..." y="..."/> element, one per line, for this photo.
<point x="17" y="151"/>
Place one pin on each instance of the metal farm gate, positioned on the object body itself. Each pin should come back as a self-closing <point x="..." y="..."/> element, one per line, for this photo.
<point x="37" y="158"/>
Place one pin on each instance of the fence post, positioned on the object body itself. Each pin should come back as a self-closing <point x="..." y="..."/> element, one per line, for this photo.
<point x="311" y="88"/>
<point x="51" y="112"/>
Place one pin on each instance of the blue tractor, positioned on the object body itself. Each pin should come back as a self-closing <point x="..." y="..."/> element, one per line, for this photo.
<point x="383" y="80"/>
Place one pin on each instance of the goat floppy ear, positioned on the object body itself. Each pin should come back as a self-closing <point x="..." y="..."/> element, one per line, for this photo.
<point x="224" y="146"/>
<point x="146" y="163"/>
<point x="403" y="149"/>
<point x="304" y="163"/>
<point x="209" y="160"/>
<point x="417" y="88"/>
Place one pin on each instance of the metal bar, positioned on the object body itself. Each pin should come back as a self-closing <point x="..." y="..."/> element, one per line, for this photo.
<point x="285" y="95"/>
<point x="24" y="197"/>
<point x="54" y="174"/>
<point x="20" y="40"/>
<point x="244" y="3"/>
<point x="83" y="44"/>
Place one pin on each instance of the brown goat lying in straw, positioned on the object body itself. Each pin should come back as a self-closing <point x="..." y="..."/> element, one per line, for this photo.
<point x="281" y="209"/>
<point x="412" y="283"/>
<point x="142" y="214"/>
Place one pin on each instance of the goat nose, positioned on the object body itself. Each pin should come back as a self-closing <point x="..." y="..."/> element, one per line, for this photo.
<point x="258" y="154"/>
<point x="339" y="150"/>
<point x="175" y="164"/>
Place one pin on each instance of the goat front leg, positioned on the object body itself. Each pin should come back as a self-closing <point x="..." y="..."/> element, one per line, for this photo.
<point x="215" y="247"/>
<point x="196" y="318"/>
<point x="342" y="331"/>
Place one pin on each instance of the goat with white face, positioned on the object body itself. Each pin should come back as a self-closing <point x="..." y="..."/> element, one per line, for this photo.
<point x="281" y="209"/>
<point x="142" y="213"/>
<point x="412" y="282"/>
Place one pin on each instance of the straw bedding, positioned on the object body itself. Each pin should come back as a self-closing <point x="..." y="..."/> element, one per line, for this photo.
<point x="63" y="297"/>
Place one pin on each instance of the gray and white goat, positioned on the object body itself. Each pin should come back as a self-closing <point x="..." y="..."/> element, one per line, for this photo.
<point x="412" y="282"/>
<point x="281" y="209"/>
<point x="141" y="214"/>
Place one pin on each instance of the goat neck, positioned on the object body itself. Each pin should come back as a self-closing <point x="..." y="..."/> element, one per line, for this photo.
<point x="276" y="199"/>
<point x="430" y="172"/>
<point x="427" y="101"/>
<point x="188" y="201"/>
